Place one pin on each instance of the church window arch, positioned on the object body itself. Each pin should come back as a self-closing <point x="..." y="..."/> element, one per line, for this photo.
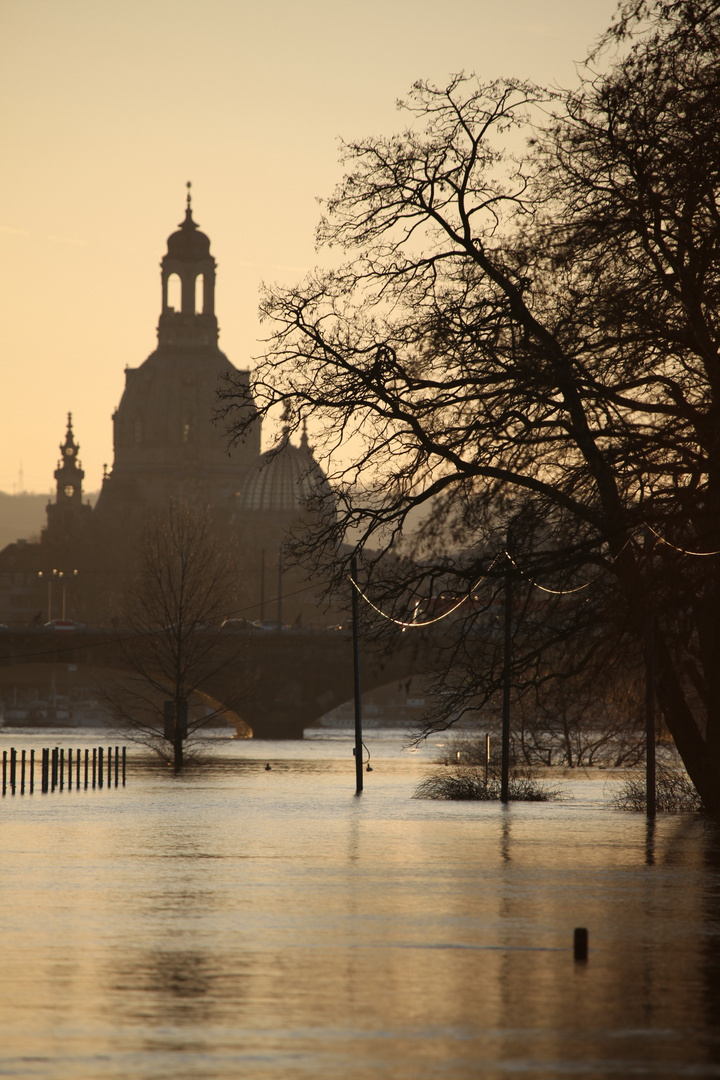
<point x="199" y="294"/>
<point x="174" y="293"/>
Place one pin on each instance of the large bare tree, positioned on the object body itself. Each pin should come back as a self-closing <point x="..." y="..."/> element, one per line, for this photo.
<point x="526" y="327"/>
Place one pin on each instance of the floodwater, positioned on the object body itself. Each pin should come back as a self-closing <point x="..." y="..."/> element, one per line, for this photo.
<point x="269" y="924"/>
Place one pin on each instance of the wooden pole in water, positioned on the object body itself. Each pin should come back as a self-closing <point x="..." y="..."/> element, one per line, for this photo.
<point x="507" y="661"/>
<point x="87" y="761"/>
<point x="77" y="770"/>
<point x="13" y="768"/>
<point x="62" y="768"/>
<point x="123" y="771"/>
<point x="45" y="769"/>
<point x="117" y="752"/>
<point x="94" y="767"/>
<point x="580" y="943"/>
<point x="32" y="771"/>
<point x="356" y="680"/>
<point x="100" y="766"/>
<point x="54" y="777"/>
<point x="4" y="771"/>
<point x="109" y="766"/>
<point x="22" y="773"/>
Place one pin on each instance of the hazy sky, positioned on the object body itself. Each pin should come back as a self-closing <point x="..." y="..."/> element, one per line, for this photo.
<point x="109" y="107"/>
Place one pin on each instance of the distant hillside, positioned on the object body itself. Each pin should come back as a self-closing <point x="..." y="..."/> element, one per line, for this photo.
<point x="23" y="516"/>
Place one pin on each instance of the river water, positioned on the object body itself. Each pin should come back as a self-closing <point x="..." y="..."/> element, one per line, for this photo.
<point x="244" y="922"/>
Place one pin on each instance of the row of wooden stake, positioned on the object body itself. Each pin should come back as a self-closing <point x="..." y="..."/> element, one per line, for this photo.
<point x="18" y="769"/>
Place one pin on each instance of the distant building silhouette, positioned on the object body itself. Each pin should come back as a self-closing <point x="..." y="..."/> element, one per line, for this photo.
<point x="166" y="447"/>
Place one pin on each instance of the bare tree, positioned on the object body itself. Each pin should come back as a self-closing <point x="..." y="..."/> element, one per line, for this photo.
<point x="185" y="583"/>
<point x="533" y="335"/>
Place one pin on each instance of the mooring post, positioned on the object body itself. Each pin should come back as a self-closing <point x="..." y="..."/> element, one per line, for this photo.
<point x="356" y="679"/>
<point x="580" y="943"/>
<point x="94" y="767"/>
<point x="62" y="767"/>
<point x="77" y="770"/>
<point x="54" y="776"/>
<point x="100" y="766"/>
<point x="123" y="769"/>
<point x="117" y="752"/>
<point x="32" y="771"/>
<point x="507" y="661"/>
<point x="109" y="766"/>
<point x="45" y="769"/>
<point x="13" y="768"/>
<point x="4" y="782"/>
<point x="87" y="759"/>
<point x="22" y="773"/>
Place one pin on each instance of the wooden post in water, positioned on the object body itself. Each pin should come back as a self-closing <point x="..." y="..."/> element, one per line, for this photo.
<point x="87" y="759"/>
<point x="580" y="943"/>
<point x="62" y="768"/>
<point x="22" y="773"/>
<point x="117" y="752"/>
<point x="45" y="769"/>
<point x="109" y="766"/>
<point x="356" y="680"/>
<point x="54" y="777"/>
<point x="13" y="768"/>
<point x="94" y="768"/>
<point x="32" y="771"/>
<point x="123" y="771"/>
<point x="507" y="663"/>
<point x="100" y="766"/>
<point x="70" y="761"/>
<point x="77" y="770"/>
<point x="4" y="771"/>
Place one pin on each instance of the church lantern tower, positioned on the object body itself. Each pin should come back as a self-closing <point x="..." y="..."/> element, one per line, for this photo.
<point x="166" y="445"/>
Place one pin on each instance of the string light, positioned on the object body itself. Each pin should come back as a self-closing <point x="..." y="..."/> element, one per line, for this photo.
<point x="697" y="554"/>
<point x="426" y="622"/>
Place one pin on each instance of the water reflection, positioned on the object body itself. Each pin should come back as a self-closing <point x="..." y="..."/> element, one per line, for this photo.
<point x="234" y="922"/>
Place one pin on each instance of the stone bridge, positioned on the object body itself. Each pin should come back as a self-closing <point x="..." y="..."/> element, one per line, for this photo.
<point x="277" y="683"/>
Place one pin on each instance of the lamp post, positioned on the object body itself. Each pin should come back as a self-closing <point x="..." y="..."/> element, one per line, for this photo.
<point x="61" y="577"/>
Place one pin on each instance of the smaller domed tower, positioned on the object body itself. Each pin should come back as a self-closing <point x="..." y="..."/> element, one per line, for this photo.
<point x="67" y="515"/>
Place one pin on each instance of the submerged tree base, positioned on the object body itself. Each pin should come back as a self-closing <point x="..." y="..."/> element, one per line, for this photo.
<point x="471" y="784"/>
<point x="674" y="792"/>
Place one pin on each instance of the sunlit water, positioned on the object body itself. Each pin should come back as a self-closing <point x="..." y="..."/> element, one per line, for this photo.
<point x="240" y="922"/>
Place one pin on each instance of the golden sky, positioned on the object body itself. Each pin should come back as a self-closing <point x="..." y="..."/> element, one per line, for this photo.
<point x="109" y="107"/>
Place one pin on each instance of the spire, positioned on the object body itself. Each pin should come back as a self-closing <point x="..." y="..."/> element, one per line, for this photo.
<point x="69" y="475"/>
<point x="69" y="448"/>
<point x="188" y="223"/>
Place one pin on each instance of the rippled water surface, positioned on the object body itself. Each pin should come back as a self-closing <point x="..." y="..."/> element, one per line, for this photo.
<point x="240" y="922"/>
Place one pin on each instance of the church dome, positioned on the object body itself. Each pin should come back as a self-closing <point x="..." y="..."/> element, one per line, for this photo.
<point x="286" y="480"/>
<point x="188" y="244"/>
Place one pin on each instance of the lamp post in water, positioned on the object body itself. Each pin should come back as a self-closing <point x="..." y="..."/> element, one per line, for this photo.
<point x="356" y="680"/>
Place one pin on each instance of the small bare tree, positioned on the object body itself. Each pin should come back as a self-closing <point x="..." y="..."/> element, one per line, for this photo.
<point x="185" y="582"/>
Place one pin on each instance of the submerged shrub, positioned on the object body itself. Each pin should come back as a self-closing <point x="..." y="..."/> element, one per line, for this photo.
<point x="674" y="791"/>
<point x="469" y="783"/>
